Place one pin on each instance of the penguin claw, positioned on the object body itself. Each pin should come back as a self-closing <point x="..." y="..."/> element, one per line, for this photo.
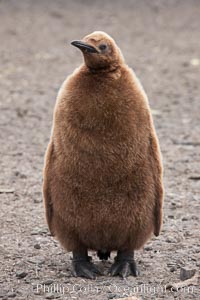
<point x="124" y="268"/>
<point x="85" y="269"/>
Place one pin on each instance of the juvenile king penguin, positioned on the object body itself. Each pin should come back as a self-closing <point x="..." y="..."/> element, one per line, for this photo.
<point x="102" y="185"/>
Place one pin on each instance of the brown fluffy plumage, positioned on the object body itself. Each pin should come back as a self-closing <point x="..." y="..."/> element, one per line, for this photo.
<point x="103" y="172"/>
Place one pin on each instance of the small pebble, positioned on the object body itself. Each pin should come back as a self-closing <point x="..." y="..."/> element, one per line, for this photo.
<point x="62" y="274"/>
<point x="173" y="269"/>
<point x="37" y="200"/>
<point x="27" y="281"/>
<point x="112" y="296"/>
<point x="47" y="282"/>
<point x="67" y="281"/>
<point x="107" y="283"/>
<point x="171" y="239"/>
<point x="35" y="232"/>
<point x="21" y="274"/>
<point x="39" y="231"/>
<point x="37" y="261"/>
<point x="171" y="217"/>
<point x="50" y="296"/>
<point x="11" y="295"/>
<point x="37" y="246"/>
<point x="23" y="176"/>
<point x="148" y="248"/>
<point x="37" y="292"/>
<point x="187" y="233"/>
<point x="186" y="273"/>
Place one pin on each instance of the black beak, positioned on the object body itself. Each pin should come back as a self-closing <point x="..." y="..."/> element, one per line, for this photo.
<point x="84" y="47"/>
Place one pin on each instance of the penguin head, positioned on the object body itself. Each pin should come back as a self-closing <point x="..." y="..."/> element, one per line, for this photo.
<point x="100" y="51"/>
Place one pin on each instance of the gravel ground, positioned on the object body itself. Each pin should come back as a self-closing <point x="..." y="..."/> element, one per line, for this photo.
<point x="160" y="40"/>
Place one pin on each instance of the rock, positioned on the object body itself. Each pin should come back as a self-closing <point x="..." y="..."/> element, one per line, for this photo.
<point x="171" y="239"/>
<point x="36" y="261"/>
<point x="112" y="296"/>
<point x="62" y="274"/>
<point x="11" y="295"/>
<point x="195" y="198"/>
<point x="194" y="280"/>
<point x="6" y="190"/>
<point x="27" y="281"/>
<point x="47" y="282"/>
<point x="107" y="283"/>
<point x="185" y="64"/>
<point x="156" y="112"/>
<point x="186" y="273"/>
<point x="50" y="296"/>
<point x="129" y="298"/>
<point x="187" y="233"/>
<point x="37" y="200"/>
<point x="37" y="246"/>
<point x="148" y="248"/>
<point x="35" y="232"/>
<point x="21" y="274"/>
<point x="23" y="176"/>
<point x="180" y="262"/>
<point x="173" y="269"/>
<point x="170" y="217"/>
<point x="37" y="292"/>
<point x="39" y="231"/>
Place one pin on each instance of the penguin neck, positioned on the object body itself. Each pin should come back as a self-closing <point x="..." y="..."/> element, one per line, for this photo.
<point x="103" y="70"/>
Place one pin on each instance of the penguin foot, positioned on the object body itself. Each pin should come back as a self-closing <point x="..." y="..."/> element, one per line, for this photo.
<point x="123" y="269"/>
<point x="83" y="267"/>
<point x="124" y="265"/>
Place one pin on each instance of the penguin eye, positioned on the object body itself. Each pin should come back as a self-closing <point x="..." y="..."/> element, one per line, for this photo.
<point x="102" y="47"/>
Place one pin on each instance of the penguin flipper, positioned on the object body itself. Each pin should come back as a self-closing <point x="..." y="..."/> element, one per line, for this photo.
<point x="46" y="189"/>
<point x="156" y="165"/>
